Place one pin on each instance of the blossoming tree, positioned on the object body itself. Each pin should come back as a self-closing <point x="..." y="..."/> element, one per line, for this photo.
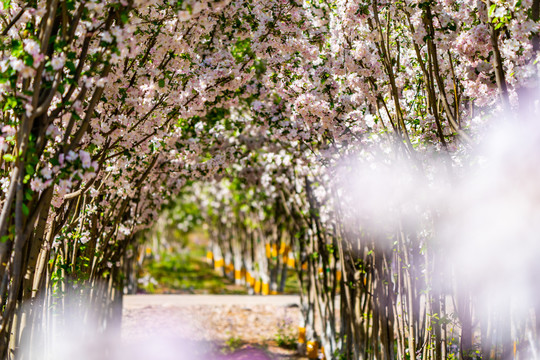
<point x="109" y="108"/>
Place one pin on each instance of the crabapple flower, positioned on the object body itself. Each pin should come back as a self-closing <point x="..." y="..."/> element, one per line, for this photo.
<point x="8" y="130"/>
<point x="85" y="159"/>
<point x="27" y="72"/>
<point x="57" y="62"/>
<point x="106" y="36"/>
<point x="16" y="64"/>
<point x="31" y="46"/>
<point x="71" y="156"/>
<point x="37" y="185"/>
<point x="46" y="173"/>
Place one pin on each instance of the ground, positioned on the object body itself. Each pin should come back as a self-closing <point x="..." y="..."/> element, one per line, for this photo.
<point x="228" y="326"/>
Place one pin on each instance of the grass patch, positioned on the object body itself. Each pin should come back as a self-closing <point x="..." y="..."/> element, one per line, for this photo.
<point x="232" y="344"/>
<point x="286" y="335"/>
<point x="186" y="272"/>
<point x="292" y="285"/>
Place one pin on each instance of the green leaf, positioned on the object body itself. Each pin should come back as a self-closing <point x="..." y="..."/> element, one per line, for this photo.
<point x="16" y="47"/>
<point x="8" y="157"/>
<point x="161" y="83"/>
<point x="124" y="17"/>
<point x="28" y="60"/>
<point x="492" y="9"/>
<point x="29" y="169"/>
<point x="11" y="103"/>
<point x="71" y="66"/>
<point x="25" y="210"/>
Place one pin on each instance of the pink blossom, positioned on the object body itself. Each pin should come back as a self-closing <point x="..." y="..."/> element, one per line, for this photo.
<point x="37" y="185"/>
<point x="257" y="105"/>
<point x="29" y="108"/>
<point x="85" y="159"/>
<point x="106" y="36"/>
<point x="46" y="173"/>
<point x="31" y="46"/>
<point x="38" y="58"/>
<point x="57" y="200"/>
<point x="16" y="64"/>
<point x="4" y="65"/>
<point x="58" y="62"/>
<point x="71" y="156"/>
<point x="8" y="130"/>
<point x="64" y="186"/>
<point x="27" y="72"/>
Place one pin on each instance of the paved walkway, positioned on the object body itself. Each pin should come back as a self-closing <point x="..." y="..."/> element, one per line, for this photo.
<point x="210" y="325"/>
<point x="134" y="301"/>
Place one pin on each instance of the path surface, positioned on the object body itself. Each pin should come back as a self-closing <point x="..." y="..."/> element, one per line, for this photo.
<point x="221" y="323"/>
<point x="137" y="301"/>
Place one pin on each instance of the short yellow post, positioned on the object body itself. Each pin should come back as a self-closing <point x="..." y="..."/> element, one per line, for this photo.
<point x="312" y="350"/>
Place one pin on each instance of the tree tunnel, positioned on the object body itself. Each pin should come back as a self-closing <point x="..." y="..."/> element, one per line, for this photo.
<point x="383" y="152"/>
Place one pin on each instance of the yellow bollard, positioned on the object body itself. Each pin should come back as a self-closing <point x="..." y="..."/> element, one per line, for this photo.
<point x="274" y="292"/>
<point x="274" y="250"/>
<point x="257" y="287"/>
<point x="237" y="274"/>
<point x="218" y="264"/>
<point x="301" y="335"/>
<point x="265" y="289"/>
<point x="312" y="350"/>
<point x="290" y="262"/>
<point x="249" y="279"/>
<point x="268" y="250"/>
<point x="284" y="254"/>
